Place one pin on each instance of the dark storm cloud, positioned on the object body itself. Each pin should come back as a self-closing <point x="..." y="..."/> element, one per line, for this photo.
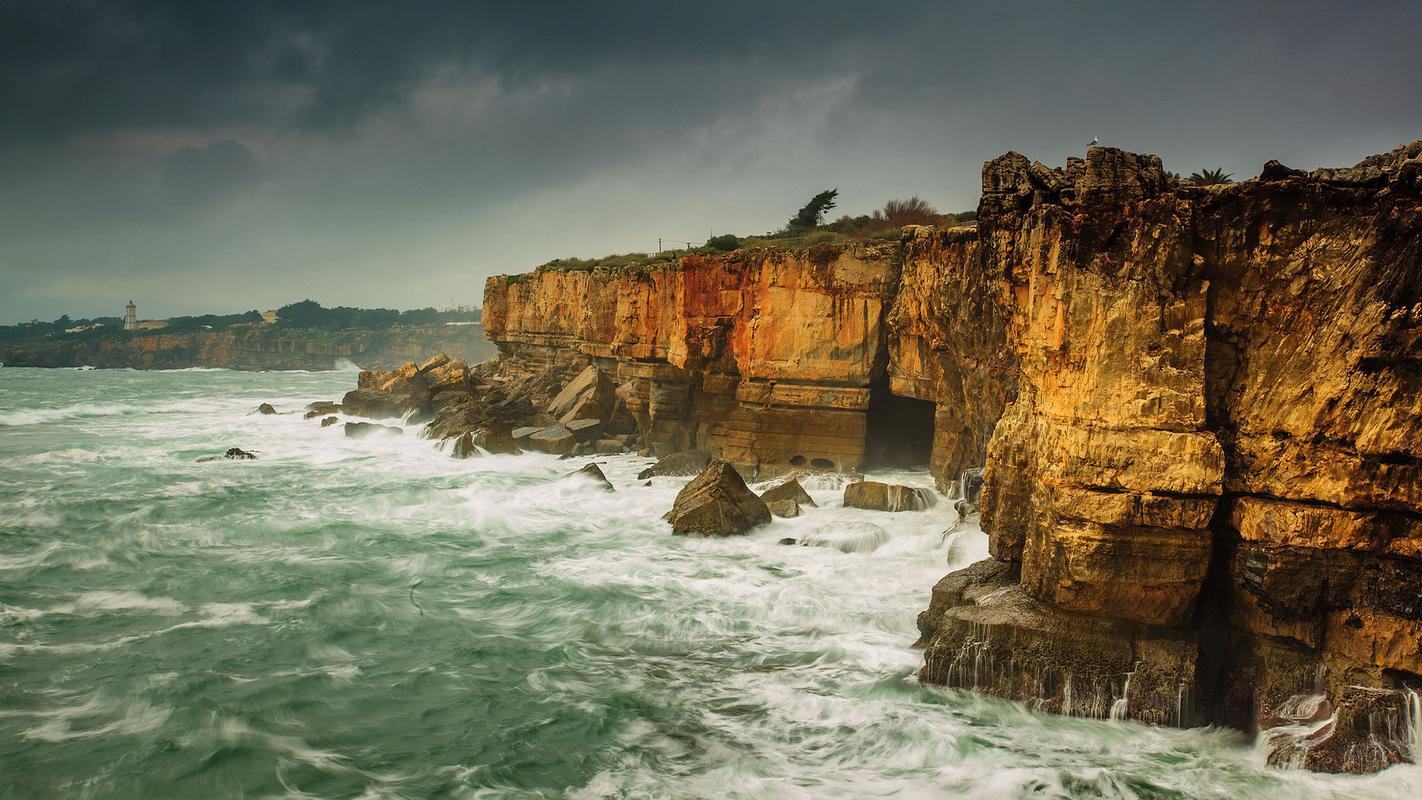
<point x="216" y="156"/>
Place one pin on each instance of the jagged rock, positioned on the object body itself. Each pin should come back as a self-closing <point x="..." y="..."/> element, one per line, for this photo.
<point x="876" y="496"/>
<point x="788" y="540"/>
<point x="590" y="396"/>
<point x="322" y="409"/>
<point x="496" y="440"/>
<point x="266" y="408"/>
<point x="688" y="462"/>
<point x="232" y="454"/>
<point x="592" y="472"/>
<point x="585" y="430"/>
<point x="555" y="439"/>
<point x="379" y="404"/>
<point x="435" y="362"/>
<point x="785" y="507"/>
<point x="329" y="421"/>
<point x="788" y="490"/>
<point x="360" y="430"/>
<point x="717" y="502"/>
<point x="464" y="447"/>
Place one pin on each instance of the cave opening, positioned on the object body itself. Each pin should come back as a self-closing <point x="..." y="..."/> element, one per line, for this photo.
<point x="900" y="429"/>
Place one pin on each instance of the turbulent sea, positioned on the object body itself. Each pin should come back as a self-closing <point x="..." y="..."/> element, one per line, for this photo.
<point x="371" y="618"/>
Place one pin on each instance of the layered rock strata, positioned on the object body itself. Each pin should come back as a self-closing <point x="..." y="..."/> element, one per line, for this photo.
<point x="1198" y="413"/>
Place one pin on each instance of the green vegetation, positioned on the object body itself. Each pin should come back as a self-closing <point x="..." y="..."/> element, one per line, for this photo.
<point x="724" y="243"/>
<point x="311" y="314"/>
<point x="812" y="213"/>
<point x="1210" y="177"/>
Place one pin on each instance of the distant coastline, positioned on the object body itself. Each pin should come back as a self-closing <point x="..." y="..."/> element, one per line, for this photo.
<point x="251" y="348"/>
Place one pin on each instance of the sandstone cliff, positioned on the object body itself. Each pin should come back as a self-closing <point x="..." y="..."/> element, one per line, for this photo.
<point x="1199" y="410"/>
<point x="253" y="348"/>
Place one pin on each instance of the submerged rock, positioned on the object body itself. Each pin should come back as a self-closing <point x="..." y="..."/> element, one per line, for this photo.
<point x="876" y="496"/>
<point x="717" y="502"/>
<point x="847" y="537"/>
<point x="464" y="447"/>
<point x="687" y="462"/>
<point x="359" y="430"/>
<point x="321" y="409"/>
<point x="592" y="472"/>
<point x="788" y="490"/>
<point x="329" y="421"/>
<point x="232" y="454"/>
<point x="266" y="408"/>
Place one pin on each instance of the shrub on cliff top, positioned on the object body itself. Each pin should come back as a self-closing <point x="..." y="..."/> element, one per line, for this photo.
<point x="724" y="243"/>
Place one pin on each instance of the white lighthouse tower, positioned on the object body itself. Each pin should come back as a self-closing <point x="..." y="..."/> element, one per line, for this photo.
<point x="130" y="317"/>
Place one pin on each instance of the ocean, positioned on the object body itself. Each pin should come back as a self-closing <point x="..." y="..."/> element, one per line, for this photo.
<point x="370" y="618"/>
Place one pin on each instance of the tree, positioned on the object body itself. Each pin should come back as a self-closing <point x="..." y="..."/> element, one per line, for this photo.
<point x="1210" y="177"/>
<point x="814" y="211"/>
<point x="726" y="242"/>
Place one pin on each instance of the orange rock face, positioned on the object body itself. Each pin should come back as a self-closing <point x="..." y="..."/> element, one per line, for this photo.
<point x="763" y="357"/>
<point x="1198" y="411"/>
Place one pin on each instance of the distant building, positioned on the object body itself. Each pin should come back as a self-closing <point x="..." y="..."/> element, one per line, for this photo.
<point x="269" y="317"/>
<point x="130" y="317"/>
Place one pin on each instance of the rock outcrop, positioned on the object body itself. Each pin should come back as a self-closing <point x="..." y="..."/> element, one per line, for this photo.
<point x="1205" y="495"/>
<point x="877" y="496"/>
<point x="1193" y="412"/>
<point x="717" y="503"/>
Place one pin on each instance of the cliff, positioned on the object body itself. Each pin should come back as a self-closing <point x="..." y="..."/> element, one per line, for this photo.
<point x="1198" y="409"/>
<point x="252" y="348"/>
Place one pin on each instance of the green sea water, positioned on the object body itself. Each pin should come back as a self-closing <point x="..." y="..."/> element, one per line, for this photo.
<point x="370" y="618"/>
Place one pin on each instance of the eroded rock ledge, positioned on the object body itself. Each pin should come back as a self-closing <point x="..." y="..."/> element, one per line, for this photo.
<point x="1199" y="411"/>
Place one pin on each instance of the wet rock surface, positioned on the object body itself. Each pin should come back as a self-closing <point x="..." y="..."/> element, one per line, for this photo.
<point x="360" y="430"/>
<point x="232" y="454"/>
<point x="717" y="503"/>
<point x="876" y="496"/>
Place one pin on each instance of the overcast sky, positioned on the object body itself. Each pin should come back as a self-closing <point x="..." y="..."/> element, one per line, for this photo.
<point x="216" y="157"/>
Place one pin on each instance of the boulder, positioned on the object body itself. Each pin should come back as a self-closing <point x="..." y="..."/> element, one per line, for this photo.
<point x="588" y="396"/>
<point x="687" y="462"/>
<point x="555" y="439"/>
<point x="591" y="472"/>
<point x="784" y="507"/>
<point x="497" y="440"/>
<point x="266" y="408"/>
<point x="585" y="430"/>
<point x="520" y="434"/>
<point x="232" y="454"/>
<point x="717" y="502"/>
<point x="359" y="430"/>
<point x="321" y="409"/>
<point x="877" y="496"/>
<point x="435" y="362"/>
<point x="788" y="490"/>
<point x="464" y="447"/>
<point x="329" y="421"/>
<point x="378" y="404"/>
<point x="604" y="447"/>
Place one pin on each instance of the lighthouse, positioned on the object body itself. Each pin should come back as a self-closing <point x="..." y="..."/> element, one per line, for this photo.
<point x="130" y="317"/>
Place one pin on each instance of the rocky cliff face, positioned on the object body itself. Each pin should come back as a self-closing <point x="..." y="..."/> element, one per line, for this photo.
<point x="1198" y="409"/>
<point x="252" y="348"/>
<point x="1204" y="500"/>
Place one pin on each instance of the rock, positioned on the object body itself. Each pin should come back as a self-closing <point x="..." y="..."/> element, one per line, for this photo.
<point x="847" y="537"/>
<point x="232" y="454"/>
<point x="687" y="462"/>
<point x="360" y="430"/>
<point x="785" y="508"/>
<point x="877" y="496"/>
<point x="608" y="446"/>
<point x="791" y="490"/>
<point x="787" y="540"/>
<point x="589" y="396"/>
<point x="321" y="409"/>
<point x="585" y="430"/>
<point x="592" y="472"/>
<point x="379" y="404"/>
<point x="717" y="502"/>
<point x="497" y="440"/>
<point x="434" y="362"/>
<point x="266" y="408"/>
<point x="464" y="447"/>
<point x="329" y="421"/>
<point x="555" y="439"/>
<point x="520" y="435"/>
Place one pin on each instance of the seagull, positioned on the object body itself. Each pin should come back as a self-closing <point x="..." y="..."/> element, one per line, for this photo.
<point x="1094" y="140"/>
